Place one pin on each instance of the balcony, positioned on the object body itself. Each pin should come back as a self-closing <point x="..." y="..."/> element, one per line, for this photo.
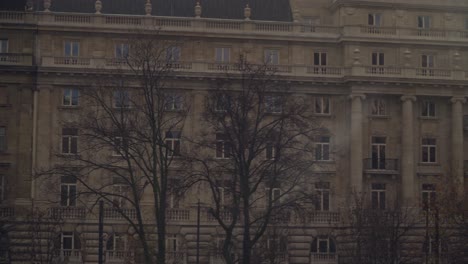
<point x="118" y="213"/>
<point x="323" y="258"/>
<point x="324" y="217"/>
<point x="19" y="59"/>
<point x="176" y="257"/>
<point x="68" y="212"/>
<point x="178" y="214"/>
<point x="119" y="256"/>
<point x="71" y="256"/>
<point x="381" y="166"/>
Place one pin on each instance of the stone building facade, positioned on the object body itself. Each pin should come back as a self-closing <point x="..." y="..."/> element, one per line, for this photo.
<point x="387" y="78"/>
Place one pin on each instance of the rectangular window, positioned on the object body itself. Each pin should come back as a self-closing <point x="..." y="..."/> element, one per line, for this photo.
<point x="323" y="245"/>
<point x="67" y="241"/>
<point x="428" y="196"/>
<point x="378" y="148"/>
<point x="3" y="140"/>
<point x="427" y="63"/>
<point x="118" y="244"/>
<point x="320" y="62"/>
<point x="121" y="50"/>
<point x="429" y="150"/>
<point x="223" y="147"/>
<point x="270" y="151"/>
<point x="173" y="54"/>
<point x="275" y="198"/>
<point x="72" y="49"/>
<point x="3" y="45"/>
<point x="172" y="244"/>
<point x="223" y="103"/>
<point x="120" y="191"/>
<point x="173" y="102"/>
<point x="322" y="105"/>
<point x="174" y="193"/>
<point x="424" y="22"/>
<point x="273" y="104"/>
<point x="2" y="188"/>
<point x="322" y="202"/>
<point x="117" y="149"/>
<point x="223" y="55"/>
<point x="121" y="99"/>
<point x="68" y="191"/>
<point x="272" y="56"/>
<point x="4" y="96"/>
<point x="322" y="148"/>
<point x="428" y="109"/>
<point x="69" y="141"/>
<point x="378" y="59"/>
<point x="378" y="198"/>
<point x="173" y="143"/>
<point x="70" y="97"/>
<point x="374" y="19"/>
<point x="378" y="107"/>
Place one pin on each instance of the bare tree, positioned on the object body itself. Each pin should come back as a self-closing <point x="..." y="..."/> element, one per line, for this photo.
<point x="373" y="233"/>
<point x="253" y="153"/>
<point x="45" y="230"/>
<point x="129" y="130"/>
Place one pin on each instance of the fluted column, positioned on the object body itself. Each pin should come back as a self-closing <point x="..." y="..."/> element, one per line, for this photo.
<point x="407" y="151"/>
<point x="457" y="141"/>
<point x="356" y="142"/>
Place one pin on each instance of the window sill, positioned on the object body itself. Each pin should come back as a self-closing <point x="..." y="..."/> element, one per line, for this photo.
<point x="429" y="118"/>
<point x="325" y="161"/>
<point x="435" y="164"/>
<point x="379" y="116"/>
<point x="323" y="115"/>
<point x="68" y="155"/>
<point x="70" y="107"/>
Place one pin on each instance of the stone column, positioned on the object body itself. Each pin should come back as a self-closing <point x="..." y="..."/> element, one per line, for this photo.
<point x="457" y="141"/>
<point x="407" y="152"/>
<point x="356" y="142"/>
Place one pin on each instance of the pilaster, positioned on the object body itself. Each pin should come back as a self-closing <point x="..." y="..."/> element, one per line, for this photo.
<point x="356" y="142"/>
<point x="407" y="151"/>
<point x="457" y="142"/>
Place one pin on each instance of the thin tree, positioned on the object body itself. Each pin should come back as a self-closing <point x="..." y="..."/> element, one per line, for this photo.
<point x="253" y="153"/>
<point x="128" y="129"/>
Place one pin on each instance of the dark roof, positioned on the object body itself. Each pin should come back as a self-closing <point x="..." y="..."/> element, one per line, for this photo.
<point x="274" y="10"/>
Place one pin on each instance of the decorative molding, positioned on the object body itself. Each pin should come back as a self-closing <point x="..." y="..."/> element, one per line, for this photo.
<point x="405" y="98"/>
<point x="457" y="99"/>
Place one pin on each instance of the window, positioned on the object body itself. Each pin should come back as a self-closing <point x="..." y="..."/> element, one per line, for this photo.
<point x="273" y="196"/>
<point x="222" y="195"/>
<point x="172" y="243"/>
<point x="270" y="151"/>
<point x="378" y="60"/>
<point x="120" y="190"/>
<point x="173" y="102"/>
<point x="428" y="109"/>
<point x="222" y="55"/>
<point x="2" y="188"/>
<point x="69" y="141"/>
<point x="3" y="45"/>
<point x="429" y="150"/>
<point x="174" y="193"/>
<point x="68" y="191"/>
<point x="322" y="202"/>
<point x="70" y="97"/>
<point x="4" y="97"/>
<point x="223" y="103"/>
<point x="378" y="196"/>
<point x="427" y="63"/>
<point x="117" y="244"/>
<point x="322" y="148"/>
<point x="3" y="140"/>
<point x="273" y="104"/>
<point x="322" y="105"/>
<point x="424" y="22"/>
<point x="223" y="147"/>
<point x="173" y="143"/>
<point x="374" y="19"/>
<point x="272" y="56"/>
<point x="121" y="99"/>
<point x="428" y="196"/>
<point x="69" y="244"/>
<point x="173" y="54"/>
<point x="121" y="50"/>
<point x="320" y="62"/>
<point x="433" y="246"/>
<point x="117" y="143"/>
<point x="466" y="24"/>
<point x="378" y="107"/>
<point x="72" y="49"/>
<point x="378" y="148"/>
<point x="323" y="245"/>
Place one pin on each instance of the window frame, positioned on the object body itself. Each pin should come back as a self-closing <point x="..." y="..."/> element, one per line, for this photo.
<point x="378" y="107"/>
<point x="322" y="148"/>
<point x="221" y="53"/>
<point x="428" y="109"/>
<point x="276" y="196"/>
<point x="173" y="143"/>
<point x="71" y="45"/>
<point x="121" y="99"/>
<point x="271" y="150"/>
<point x="71" y="95"/>
<point x="323" y="105"/>
<point x="323" y="200"/>
<point x="222" y="103"/>
<point x="428" y="196"/>
<point x="119" y="190"/>
<point x="4" y="45"/>
<point x="3" y="139"/>
<point x="121" y="50"/>
<point x="378" y="196"/>
<point x="173" y="54"/>
<point x="172" y="242"/>
<point x="223" y="147"/>
<point x="71" y="138"/>
<point x="70" y="199"/>
<point x="173" y="102"/>
<point x="376" y="19"/>
<point x="272" y="56"/>
<point x="424" y="22"/>
<point x="273" y="104"/>
<point x="430" y="149"/>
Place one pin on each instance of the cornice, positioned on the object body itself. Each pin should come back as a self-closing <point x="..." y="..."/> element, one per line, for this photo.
<point x="402" y="5"/>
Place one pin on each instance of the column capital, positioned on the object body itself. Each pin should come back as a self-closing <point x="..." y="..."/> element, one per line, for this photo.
<point x="408" y="97"/>
<point x="457" y="99"/>
<point x="357" y="95"/>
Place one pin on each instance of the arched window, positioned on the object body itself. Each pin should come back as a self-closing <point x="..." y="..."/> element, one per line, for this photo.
<point x="323" y="245"/>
